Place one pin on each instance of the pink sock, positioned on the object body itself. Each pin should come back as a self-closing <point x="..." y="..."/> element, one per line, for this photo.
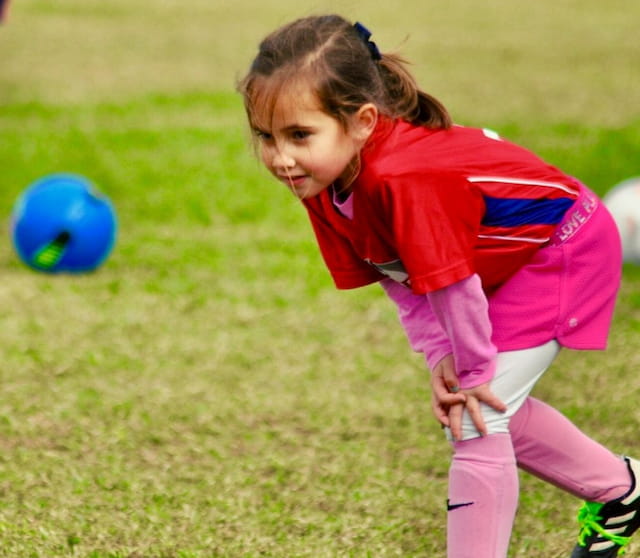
<point x="552" y="448"/>
<point x="483" y="497"/>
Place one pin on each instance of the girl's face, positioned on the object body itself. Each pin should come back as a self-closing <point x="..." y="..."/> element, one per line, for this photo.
<point x="307" y="149"/>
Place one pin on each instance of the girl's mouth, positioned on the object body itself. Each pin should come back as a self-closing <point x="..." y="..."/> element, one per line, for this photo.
<point x="294" y="181"/>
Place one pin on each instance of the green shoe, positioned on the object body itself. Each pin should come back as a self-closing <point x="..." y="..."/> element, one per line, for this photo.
<point x="606" y="529"/>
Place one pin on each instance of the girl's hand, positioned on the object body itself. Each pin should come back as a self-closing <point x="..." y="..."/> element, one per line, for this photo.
<point x="445" y="390"/>
<point x="448" y="401"/>
<point x="473" y="397"/>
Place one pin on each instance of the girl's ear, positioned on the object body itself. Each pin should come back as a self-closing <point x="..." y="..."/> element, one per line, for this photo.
<point x="364" y="121"/>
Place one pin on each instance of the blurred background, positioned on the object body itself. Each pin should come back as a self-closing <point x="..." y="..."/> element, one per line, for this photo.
<point x="569" y="61"/>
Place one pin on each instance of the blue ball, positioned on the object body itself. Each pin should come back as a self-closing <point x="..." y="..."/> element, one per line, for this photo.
<point x="62" y="223"/>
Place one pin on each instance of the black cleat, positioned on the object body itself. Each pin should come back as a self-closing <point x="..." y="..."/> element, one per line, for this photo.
<point x="606" y="529"/>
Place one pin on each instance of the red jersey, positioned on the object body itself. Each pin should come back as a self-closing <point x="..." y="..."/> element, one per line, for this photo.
<point x="432" y="207"/>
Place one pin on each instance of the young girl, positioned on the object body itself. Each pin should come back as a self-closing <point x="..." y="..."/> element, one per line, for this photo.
<point x="494" y="258"/>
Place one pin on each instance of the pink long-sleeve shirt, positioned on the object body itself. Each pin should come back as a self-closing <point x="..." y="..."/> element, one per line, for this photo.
<point x="453" y="320"/>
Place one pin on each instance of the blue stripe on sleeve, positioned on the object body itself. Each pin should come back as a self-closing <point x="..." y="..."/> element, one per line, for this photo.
<point x="511" y="212"/>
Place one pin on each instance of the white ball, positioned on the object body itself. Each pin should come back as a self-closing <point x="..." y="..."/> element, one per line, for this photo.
<point x="623" y="201"/>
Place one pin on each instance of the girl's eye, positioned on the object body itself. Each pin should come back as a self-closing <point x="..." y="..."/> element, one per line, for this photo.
<point x="263" y="136"/>
<point x="300" y="134"/>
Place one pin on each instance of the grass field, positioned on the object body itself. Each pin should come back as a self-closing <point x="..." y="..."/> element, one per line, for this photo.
<point x="207" y="393"/>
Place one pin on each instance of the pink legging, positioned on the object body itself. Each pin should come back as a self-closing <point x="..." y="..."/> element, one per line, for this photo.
<point x="549" y="446"/>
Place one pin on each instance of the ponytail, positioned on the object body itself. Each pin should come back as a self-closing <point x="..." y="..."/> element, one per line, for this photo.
<point x="404" y="99"/>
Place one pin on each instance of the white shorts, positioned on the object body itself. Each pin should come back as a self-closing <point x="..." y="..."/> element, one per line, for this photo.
<point x="516" y="374"/>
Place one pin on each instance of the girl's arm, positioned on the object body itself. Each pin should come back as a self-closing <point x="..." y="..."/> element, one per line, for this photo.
<point x="453" y="320"/>
<point x="463" y="313"/>
<point x="451" y="326"/>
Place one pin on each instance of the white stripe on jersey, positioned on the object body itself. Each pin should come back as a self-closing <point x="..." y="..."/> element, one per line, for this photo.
<point x="516" y="238"/>
<point x="524" y="181"/>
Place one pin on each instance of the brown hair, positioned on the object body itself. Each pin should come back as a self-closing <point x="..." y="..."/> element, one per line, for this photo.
<point x="344" y="69"/>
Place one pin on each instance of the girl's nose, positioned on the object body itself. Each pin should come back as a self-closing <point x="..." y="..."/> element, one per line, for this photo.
<point x="283" y="160"/>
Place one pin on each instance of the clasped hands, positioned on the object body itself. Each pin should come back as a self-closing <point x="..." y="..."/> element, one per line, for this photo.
<point x="448" y="401"/>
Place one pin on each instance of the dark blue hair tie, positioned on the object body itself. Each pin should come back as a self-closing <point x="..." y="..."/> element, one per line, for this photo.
<point x="365" y="34"/>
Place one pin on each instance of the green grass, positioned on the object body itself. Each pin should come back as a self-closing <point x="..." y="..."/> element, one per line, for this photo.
<point x="207" y="393"/>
